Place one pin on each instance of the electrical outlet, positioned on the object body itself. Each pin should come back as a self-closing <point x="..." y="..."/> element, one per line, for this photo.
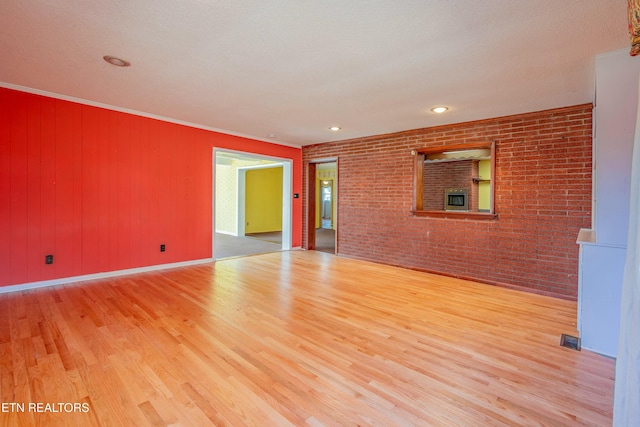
<point x="48" y="259"/>
<point x="162" y="248"/>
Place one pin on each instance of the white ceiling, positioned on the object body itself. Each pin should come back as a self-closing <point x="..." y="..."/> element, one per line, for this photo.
<point x="294" y="68"/>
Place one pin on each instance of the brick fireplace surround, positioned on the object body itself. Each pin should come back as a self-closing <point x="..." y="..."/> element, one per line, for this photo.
<point x="542" y="199"/>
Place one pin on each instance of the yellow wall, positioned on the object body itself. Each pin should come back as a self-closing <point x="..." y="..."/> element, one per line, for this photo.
<point x="263" y="200"/>
<point x="227" y="191"/>
<point x="484" y="188"/>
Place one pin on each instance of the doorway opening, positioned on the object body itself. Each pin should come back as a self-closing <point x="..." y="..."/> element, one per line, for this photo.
<point x="322" y="194"/>
<point x="251" y="204"/>
<point x="326" y="204"/>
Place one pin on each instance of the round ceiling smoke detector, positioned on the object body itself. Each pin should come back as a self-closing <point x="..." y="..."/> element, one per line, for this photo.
<point x="116" y="61"/>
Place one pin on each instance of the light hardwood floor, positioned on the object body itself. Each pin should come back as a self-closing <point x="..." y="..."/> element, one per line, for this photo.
<point x="295" y="338"/>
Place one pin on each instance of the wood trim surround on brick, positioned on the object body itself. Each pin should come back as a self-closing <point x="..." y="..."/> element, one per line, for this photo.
<point x="418" y="182"/>
<point x="542" y="197"/>
<point x="455" y="215"/>
<point x="311" y="206"/>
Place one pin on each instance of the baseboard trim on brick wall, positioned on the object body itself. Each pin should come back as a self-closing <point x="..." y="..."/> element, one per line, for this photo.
<point x="472" y="279"/>
<point x="98" y="276"/>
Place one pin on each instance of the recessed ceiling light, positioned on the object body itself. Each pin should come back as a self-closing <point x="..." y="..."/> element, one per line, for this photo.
<point x="116" y="61"/>
<point x="439" y="110"/>
<point x="335" y="128"/>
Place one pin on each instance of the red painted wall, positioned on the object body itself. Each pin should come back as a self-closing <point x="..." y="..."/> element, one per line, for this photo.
<point x="101" y="190"/>
<point x="542" y="198"/>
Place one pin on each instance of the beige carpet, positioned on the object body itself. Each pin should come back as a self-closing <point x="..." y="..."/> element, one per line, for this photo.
<point x="273" y="236"/>
<point x="227" y="246"/>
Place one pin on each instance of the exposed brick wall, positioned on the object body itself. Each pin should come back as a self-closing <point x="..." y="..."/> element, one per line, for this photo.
<point x="542" y="198"/>
<point x="440" y="176"/>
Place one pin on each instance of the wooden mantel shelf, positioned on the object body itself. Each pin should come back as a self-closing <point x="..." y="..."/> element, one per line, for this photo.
<point x="456" y="215"/>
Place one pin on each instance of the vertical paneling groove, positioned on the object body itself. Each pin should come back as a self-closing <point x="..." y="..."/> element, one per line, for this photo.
<point x="102" y="232"/>
<point x="76" y="261"/>
<point x="48" y="218"/>
<point x="203" y="212"/>
<point x="142" y="222"/>
<point x="68" y="242"/>
<point x="180" y="236"/>
<point x="121" y="197"/>
<point x="5" y="181"/>
<point x="90" y="190"/>
<point x="34" y="208"/>
<point x="165" y="206"/>
<point x="19" y="191"/>
<point x="136" y="193"/>
<point x="154" y="195"/>
<point x="64" y="189"/>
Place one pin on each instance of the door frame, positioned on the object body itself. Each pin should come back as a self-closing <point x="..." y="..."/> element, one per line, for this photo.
<point x="287" y="193"/>
<point x="311" y="201"/>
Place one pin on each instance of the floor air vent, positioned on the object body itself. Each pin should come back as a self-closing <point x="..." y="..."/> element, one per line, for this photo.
<point x="570" y="342"/>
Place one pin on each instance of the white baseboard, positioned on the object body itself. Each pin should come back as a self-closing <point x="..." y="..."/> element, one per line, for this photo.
<point x="96" y="276"/>
<point x="228" y="233"/>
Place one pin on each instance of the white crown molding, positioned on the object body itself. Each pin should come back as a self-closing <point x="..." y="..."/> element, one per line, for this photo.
<point x="138" y="113"/>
